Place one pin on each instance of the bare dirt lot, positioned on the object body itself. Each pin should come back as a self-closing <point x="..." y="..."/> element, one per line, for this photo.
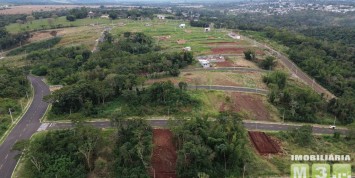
<point x="263" y="143"/>
<point x="28" y="9"/>
<point x="247" y="104"/>
<point x="164" y="154"/>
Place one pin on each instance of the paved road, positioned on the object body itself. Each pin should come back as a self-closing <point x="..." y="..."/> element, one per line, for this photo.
<point x="230" y="88"/>
<point x="249" y="125"/>
<point x="25" y="127"/>
<point x="237" y="69"/>
<point x="295" y="70"/>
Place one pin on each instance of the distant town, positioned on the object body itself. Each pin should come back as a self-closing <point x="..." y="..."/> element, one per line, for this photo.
<point x="284" y="7"/>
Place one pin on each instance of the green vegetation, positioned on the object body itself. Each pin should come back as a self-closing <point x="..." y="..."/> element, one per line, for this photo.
<point x="8" y="40"/>
<point x="13" y="87"/>
<point x="250" y="55"/>
<point x="309" y="145"/>
<point x="35" y="46"/>
<point x="62" y="153"/>
<point x="294" y="102"/>
<point x="117" y="71"/>
<point x="205" y="147"/>
<point x="133" y="148"/>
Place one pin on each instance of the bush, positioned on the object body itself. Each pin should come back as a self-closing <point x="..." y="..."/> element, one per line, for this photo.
<point x="36" y="46"/>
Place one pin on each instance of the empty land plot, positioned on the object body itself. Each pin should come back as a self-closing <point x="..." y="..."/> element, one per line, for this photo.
<point x="263" y="143"/>
<point x="252" y="105"/>
<point x="223" y="78"/>
<point x="164" y="154"/>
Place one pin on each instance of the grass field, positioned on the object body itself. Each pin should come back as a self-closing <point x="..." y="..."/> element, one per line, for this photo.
<point x="227" y="78"/>
<point x="320" y="145"/>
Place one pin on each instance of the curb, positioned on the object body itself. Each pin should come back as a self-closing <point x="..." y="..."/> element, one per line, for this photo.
<point x="29" y="102"/>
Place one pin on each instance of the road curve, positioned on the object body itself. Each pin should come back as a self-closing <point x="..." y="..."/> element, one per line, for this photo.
<point x="230" y="88"/>
<point x="265" y="126"/>
<point x="295" y="70"/>
<point x="24" y="129"/>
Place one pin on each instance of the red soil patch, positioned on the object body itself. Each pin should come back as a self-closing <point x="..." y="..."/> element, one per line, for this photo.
<point x="232" y="50"/>
<point x="225" y="64"/>
<point x="251" y="104"/>
<point x="164" y="154"/>
<point x="222" y="43"/>
<point x="263" y="143"/>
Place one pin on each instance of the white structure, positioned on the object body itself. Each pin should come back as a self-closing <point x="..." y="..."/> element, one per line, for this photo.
<point x="105" y="16"/>
<point x="188" y="48"/>
<point x="182" y="25"/>
<point x="204" y="63"/>
<point x="207" y="29"/>
<point x="91" y="14"/>
<point x="161" y="17"/>
<point x="238" y="37"/>
<point x="212" y="58"/>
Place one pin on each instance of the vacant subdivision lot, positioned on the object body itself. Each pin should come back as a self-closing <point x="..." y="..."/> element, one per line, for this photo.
<point x="263" y="143"/>
<point x="164" y="155"/>
<point x="250" y="106"/>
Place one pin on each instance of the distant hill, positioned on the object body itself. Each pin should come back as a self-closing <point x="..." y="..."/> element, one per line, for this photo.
<point x="107" y="1"/>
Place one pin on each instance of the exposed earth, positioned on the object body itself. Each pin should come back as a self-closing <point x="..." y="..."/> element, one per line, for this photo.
<point x="164" y="154"/>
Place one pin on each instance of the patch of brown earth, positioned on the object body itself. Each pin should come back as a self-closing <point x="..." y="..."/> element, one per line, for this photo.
<point x="164" y="155"/>
<point x="263" y="143"/>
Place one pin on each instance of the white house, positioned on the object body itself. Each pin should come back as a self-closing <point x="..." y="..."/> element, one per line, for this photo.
<point x="91" y="14"/>
<point x="182" y="25"/>
<point x="187" y="48"/>
<point x="105" y="16"/>
<point x="204" y="63"/>
<point x="161" y="17"/>
<point x="207" y="29"/>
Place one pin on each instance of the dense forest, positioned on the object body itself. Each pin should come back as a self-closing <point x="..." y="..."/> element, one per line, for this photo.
<point x="62" y="153"/>
<point x="213" y="149"/>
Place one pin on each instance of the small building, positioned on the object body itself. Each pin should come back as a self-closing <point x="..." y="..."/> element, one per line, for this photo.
<point x="105" y="16"/>
<point x="187" y="48"/>
<point x="204" y="63"/>
<point x="237" y="37"/>
<point x="91" y="14"/>
<point x="207" y="29"/>
<point x="161" y="17"/>
<point x="182" y="25"/>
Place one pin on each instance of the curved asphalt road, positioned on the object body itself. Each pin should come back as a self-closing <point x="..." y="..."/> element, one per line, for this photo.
<point x="27" y="126"/>
<point x="249" y="125"/>
<point x="237" y="69"/>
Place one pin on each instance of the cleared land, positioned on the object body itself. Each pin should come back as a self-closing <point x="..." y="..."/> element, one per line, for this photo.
<point x="249" y="105"/>
<point x="164" y="154"/>
<point x="263" y="143"/>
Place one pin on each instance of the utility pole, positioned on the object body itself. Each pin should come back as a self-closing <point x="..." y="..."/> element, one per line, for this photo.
<point x="12" y="120"/>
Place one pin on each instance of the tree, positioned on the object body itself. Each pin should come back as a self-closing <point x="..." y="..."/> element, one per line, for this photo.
<point x="113" y="15"/>
<point x="250" y="55"/>
<point x="182" y="85"/>
<point x="268" y="63"/>
<point x="70" y="18"/>
<point x="30" y="19"/>
<point x="89" y="140"/>
<point x="302" y="135"/>
<point x="50" y="21"/>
